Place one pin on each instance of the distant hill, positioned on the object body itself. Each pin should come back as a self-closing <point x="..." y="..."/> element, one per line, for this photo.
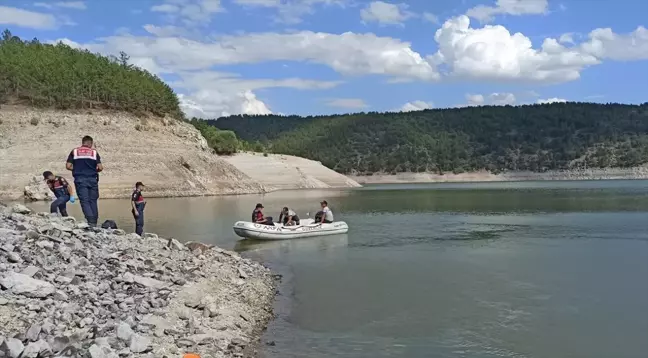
<point x="496" y="138"/>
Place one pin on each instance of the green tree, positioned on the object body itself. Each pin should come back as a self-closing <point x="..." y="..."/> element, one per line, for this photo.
<point x="58" y="76"/>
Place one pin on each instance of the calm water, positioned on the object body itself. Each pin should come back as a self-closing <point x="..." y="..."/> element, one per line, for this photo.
<point x="533" y="269"/>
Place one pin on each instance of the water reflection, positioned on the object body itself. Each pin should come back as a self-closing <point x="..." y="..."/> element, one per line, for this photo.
<point x="292" y="247"/>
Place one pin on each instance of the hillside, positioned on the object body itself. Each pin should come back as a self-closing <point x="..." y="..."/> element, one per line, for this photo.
<point x="52" y="95"/>
<point x="533" y="138"/>
<point x="288" y="172"/>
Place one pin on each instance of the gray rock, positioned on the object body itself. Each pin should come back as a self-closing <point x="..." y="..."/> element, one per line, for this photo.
<point x="7" y="247"/>
<point x="14" y="257"/>
<point x="102" y="352"/>
<point x="33" y="332"/>
<point x="24" y="285"/>
<point x="61" y="296"/>
<point x="30" y="271"/>
<point x="20" y="209"/>
<point x="45" y="244"/>
<point x="139" y="343"/>
<point x="185" y="342"/>
<point x="124" y="332"/>
<point x="150" y="282"/>
<point x="12" y="348"/>
<point x="175" y="245"/>
<point x="32" y="235"/>
<point x="63" y="279"/>
<point x="242" y="274"/>
<point x="3" y="301"/>
<point x="36" y="349"/>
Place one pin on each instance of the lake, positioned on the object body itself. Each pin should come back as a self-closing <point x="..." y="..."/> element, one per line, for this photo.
<point x="479" y="270"/>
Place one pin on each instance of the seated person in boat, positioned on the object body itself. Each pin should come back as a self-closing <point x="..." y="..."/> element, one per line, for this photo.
<point x="259" y="218"/>
<point x="325" y="216"/>
<point x="289" y="217"/>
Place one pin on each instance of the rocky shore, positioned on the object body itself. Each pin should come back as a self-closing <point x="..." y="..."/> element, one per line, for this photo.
<point x="484" y="176"/>
<point x="68" y="291"/>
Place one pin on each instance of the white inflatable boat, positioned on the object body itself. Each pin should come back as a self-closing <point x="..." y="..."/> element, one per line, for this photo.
<point x="307" y="228"/>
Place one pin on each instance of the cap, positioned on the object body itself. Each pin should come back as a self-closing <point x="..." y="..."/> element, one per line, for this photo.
<point x="259" y="205"/>
<point x="139" y="183"/>
<point x="323" y="202"/>
<point x="285" y="208"/>
<point x="46" y="174"/>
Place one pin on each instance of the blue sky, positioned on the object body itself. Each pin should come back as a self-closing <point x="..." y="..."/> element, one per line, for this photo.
<point x="332" y="56"/>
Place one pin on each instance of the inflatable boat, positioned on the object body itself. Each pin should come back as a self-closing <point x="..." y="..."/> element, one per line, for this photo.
<point x="306" y="228"/>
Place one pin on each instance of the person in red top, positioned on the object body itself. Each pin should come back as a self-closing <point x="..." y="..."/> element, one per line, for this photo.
<point x="259" y="218"/>
<point x="62" y="191"/>
<point x="138" y="203"/>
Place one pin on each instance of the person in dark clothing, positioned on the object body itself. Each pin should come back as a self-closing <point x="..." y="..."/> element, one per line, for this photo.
<point x="62" y="191"/>
<point x="259" y="218"/>
<point x="289" y="217"/>
<point x="85" y="164"/>
<point x="138" y="203"/>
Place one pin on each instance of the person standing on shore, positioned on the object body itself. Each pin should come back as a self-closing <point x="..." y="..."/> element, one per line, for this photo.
<point x="85" y="164"/>
<point x="138" y="203"/>
<point x="62" y="191"/>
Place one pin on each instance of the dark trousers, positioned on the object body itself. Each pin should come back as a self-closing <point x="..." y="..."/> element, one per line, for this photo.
<point x="139" y="219"/>
<point x="295" y="219"/>
<point x="87" y="189"/>
<point x="60" y="205"/>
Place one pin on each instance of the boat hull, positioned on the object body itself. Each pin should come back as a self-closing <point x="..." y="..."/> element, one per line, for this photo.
<point x="307" y="228"/>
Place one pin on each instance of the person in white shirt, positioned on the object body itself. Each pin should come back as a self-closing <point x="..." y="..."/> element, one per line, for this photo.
<point x="327" y="214"/>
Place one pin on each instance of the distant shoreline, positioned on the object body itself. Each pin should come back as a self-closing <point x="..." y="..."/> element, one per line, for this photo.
<point x="485" y="176"/>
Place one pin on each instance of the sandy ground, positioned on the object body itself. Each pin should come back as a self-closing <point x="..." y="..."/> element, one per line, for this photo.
<point x="277" y="171"/>
<point x="170" y="157"/>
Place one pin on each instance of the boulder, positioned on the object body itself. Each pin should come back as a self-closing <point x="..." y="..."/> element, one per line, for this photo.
<point x="21" y="284"/>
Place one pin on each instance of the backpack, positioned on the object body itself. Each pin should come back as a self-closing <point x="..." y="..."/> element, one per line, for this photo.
<point x="109" y="224"/>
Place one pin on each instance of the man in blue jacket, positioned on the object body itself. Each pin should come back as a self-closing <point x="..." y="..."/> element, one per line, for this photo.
<point x="85" y="164"/>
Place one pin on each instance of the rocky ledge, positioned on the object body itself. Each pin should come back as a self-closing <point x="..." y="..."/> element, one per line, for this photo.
<point x="68" y="291"/>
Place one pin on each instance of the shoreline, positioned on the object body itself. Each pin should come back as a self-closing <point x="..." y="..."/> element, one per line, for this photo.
<point x="67" y="288"/>
<point x="636" y="173"/>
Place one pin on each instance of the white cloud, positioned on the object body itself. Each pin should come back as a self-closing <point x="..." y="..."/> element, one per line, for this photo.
<point x="605" y="44"/>
<point x="189" y="12"/>
<point x="428" y="16"/>
<point x="493" y="99"/>
<point x="551" y="100"/>
<point x="214" y="104"/>
<point x="290" y="11"/>
<point x="509" y="7"/>
<point x="349" y="103"/>
<point x="416" y="106"/>
<point x="28" y="19"/>
<point x="385" y="13"/>
<point x="567" y="38"/>
<point x="347" y="53"/>
<point x="502" y="99"/>
<point x="492" y="53"/>
<point x="77" y="5"/>
<point x="165" y="31"/>
<point x="475" y="99"/>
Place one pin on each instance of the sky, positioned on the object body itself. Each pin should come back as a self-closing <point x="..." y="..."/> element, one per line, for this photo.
<point x="311" y="57"/>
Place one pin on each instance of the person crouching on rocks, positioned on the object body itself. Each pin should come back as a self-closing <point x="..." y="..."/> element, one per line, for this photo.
<point x="138" y="203"/>
<point x="259" y="218"/>
<point x="62" y="191"/>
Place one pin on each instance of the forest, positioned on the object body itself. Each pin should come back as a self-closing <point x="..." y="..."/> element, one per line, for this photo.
<point x="496" y="138"/>
<point x="61" y="77"/>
